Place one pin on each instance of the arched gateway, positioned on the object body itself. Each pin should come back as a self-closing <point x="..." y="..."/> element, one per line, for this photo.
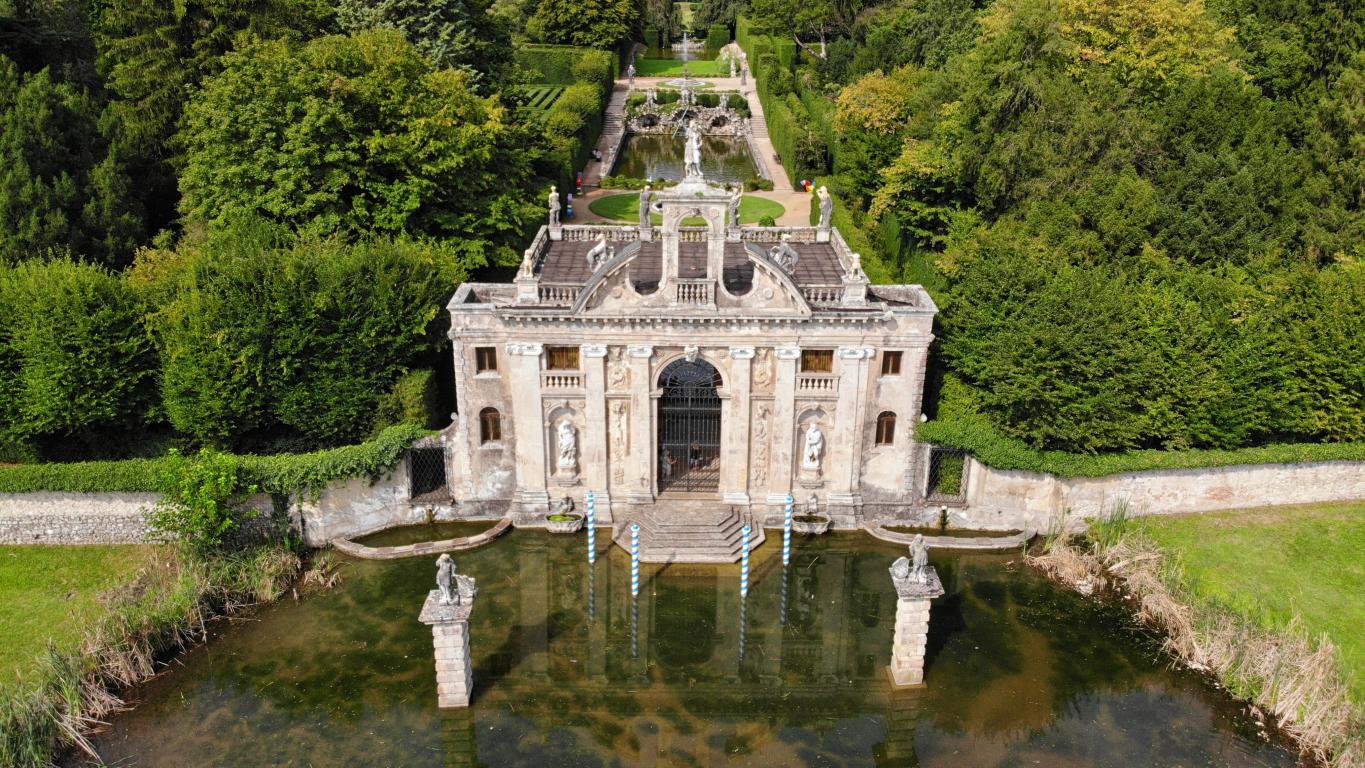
<point x="689" y="427"/>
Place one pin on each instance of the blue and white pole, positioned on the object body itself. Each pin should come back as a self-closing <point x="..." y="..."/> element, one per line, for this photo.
<point x="744" y="562"/>
<point x="592" y="527"/>
<point x="635" y="559"/>
<point x="786" y="532"/>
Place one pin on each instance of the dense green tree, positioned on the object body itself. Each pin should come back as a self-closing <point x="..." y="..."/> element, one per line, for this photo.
<point x="62" y="184"/>
<point x="267" y="335"/>
<point x="154" y="54"/>
<point x="75" y="362"/>
<point x="590" y="23"/>
<point x="926" y="33"/>
<point x="49" y="34"/>
<point x="358" y="135"/>
<point x="452" y="33"/>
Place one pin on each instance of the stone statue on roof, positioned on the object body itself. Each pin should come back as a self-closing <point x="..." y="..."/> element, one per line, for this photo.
<point x="692" y="153"/>
<point x="599" y="253"/>
<point x="785" y="255"/>
<point x="826" y="206"/>
<point x="554" y="207"/>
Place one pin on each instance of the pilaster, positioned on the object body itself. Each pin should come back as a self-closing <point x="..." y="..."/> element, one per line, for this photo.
<point x="523" y="384"/>
<point x="845" y="461"/>
<point x="640" y="467"/>
<point x="735" y="460"/>
<point x="593" y="358"/>
<point x="460" y="450"/>
<point x="784" y="419"/>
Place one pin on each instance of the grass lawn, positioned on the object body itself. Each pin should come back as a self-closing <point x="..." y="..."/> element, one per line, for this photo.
<point x="674" y="68"/>
<point x="46" y="592"/>
<point x="626" y="207"/>
<point x="1269" y="564"/>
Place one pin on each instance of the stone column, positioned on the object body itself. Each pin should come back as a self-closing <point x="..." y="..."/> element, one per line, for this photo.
<point x="784" y="424"/>
<point x="450" y="637"/>
<point x="640" y="466"/>
<point x="736" y="458"/>
<point x="843" y="464"/>
<point x="912" y="626"/>
<point x="593" y="461"/>
<point x="528" y="433"/>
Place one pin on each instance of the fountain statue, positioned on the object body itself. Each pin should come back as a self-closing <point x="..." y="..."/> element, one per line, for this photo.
<point x="692" y="153"/>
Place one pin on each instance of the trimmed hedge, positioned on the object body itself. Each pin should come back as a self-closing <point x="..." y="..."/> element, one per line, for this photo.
<point x="652" y="38"/>
<point x="555" y="64"/>
<point x="285" y="473"/>
<point x="876" y="268"/>
<point x="979" y="438"/>
<point x="716" y="37"/>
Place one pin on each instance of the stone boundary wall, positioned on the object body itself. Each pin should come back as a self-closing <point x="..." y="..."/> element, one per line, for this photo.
<point x="344" y="509"/>
<point x="1010" y="499"/>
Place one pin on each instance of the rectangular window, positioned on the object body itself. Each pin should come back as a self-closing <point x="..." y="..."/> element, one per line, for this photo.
<point x="817" y="361"/>
<point x="891" y="363"/>
<point x="486" y="359"/>
<point x="561" y="358"/>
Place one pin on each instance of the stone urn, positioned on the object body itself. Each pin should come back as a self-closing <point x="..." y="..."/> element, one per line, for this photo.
<point x="809" y="524"/>
<point x="561" y="522"/>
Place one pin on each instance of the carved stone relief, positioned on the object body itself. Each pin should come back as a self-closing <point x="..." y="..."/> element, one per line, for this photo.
<point x="763" y="371"/>
<point x="620" y="445"/>
<point x="618" y="379"/>
<point x="762" y="447"/>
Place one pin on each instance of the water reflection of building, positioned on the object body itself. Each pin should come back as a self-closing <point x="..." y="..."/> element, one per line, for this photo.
<point x="662" y="366"/>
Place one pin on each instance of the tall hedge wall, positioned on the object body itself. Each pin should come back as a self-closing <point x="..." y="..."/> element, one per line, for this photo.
<point x="716" y="37"/>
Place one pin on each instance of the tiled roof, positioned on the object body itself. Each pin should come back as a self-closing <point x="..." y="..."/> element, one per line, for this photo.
<point x="567" y="262"/>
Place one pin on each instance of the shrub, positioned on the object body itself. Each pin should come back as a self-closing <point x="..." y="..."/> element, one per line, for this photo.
<point x="411" y="401"/>
<point x="767" y="221"/>
<point x="717" y="36"/>
<point x="755" y="184"/>
<point x="623" y="182"/>
<point x="203" y="501"/>
<point x="75" y="361"/>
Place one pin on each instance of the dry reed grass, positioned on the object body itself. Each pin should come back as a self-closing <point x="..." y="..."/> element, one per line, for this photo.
<point x="1286" y="674"/>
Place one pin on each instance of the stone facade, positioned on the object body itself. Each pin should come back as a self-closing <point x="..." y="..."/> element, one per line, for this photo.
<point x="560" y="375"/>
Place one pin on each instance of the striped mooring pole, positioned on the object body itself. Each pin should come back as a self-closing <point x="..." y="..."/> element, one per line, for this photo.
<point x="744" y="562"/>
<point x="635" y="559"/>
<point x="592" y="527"/>
<point x="786" y="532"/>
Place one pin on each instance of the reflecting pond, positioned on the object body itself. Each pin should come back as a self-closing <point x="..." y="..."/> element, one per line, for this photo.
<point x="724" y="159"/>
<point x="569" y="670"/>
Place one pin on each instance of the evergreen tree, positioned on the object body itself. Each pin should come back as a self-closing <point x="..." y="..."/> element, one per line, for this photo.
<point x="452" y="33"/>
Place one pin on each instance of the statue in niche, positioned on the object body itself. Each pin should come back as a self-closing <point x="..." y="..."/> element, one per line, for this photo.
<point x="812" y="506"/>
<point x="919" y="559"/>
<point x="763" y="372"/>
<point x="785" y="255"/>
<point x="645" y="197"/>
<point x="567" y="444"/>
<point x="692" y="153"/>
<point x="814" y="449"/>
<point x="455" y="588"/>
<point x="554" y="207"/>
<point x="826" y="206"/>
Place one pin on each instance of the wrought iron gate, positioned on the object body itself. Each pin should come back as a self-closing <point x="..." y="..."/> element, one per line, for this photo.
<point x="689" y="427"/>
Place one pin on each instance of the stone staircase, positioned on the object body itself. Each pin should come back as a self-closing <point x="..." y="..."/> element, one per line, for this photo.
<point x="689" y="532"/>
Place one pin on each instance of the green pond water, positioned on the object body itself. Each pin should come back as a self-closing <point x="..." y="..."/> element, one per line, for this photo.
<point x="724" y="159"/>
<point x="569" y="670"/>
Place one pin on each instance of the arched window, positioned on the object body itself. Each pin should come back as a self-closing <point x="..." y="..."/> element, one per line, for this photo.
<point x="886" y="428"/>
<point x="490" y="426"/>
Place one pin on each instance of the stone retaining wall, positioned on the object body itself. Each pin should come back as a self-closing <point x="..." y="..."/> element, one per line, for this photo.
<point x="1008" y="499"/>
<point x="52" y="517"/>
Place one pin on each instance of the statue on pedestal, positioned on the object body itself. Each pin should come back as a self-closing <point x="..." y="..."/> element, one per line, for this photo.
<point x="554" y="207"/>
<point x="630" y="75"/>
<point x="735" y="200"/>
<point x="646" y="196"/>
<point x="826" y="206"/>
<point x="600" y="253"/>
<point x="692" y="153"/>
<point x="919" y="563"/>
<point x="455" y="588"/>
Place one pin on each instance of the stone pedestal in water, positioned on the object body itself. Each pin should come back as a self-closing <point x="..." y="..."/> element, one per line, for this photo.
<point x="450" y="637"/>
<point x="912" y="626"/>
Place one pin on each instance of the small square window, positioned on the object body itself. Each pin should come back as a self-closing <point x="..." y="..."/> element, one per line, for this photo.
<point x="561" y="358"/>
<point x="891" y="363"/>
<point x="486" y="359"/>
<point x="817" y="360"/>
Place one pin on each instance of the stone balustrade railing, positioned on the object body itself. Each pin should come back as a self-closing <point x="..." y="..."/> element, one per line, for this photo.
<point x="558" y="293"/>
<point x="841" y="249"/>
<point x="696" y="292"/>
<point x="561" y="380"/>
<point x="692" y="234"/>
<point x="823" y="294"/>
<point x="816" y="383"/>
<point x="775" y="234"/>
<point x="582" y="233"/>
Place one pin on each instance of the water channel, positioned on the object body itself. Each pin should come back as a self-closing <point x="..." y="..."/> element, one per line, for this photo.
<point x="570" y="671"/>
<point x="724" y="159"/>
